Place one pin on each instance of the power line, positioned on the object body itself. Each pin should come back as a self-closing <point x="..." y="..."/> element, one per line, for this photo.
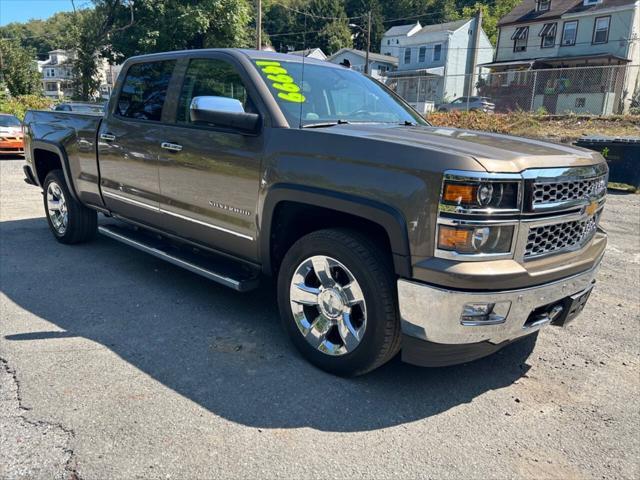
<point x="294" y="33"/>
<point x="430" y="14"/>
<point x="313" y="15"/>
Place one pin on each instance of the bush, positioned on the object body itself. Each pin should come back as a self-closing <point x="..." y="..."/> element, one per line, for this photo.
<point x="19" y="105"/>
<point x="565" y="128"/>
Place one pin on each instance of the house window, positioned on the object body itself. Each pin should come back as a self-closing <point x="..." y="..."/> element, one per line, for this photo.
<point x="519" y="38"/>
<point x="548" y="34"/>
<point x="407" y="55"/>
<point x="601" y="30"/>
<point x="422" y="54"/>
<point x="437" y="52"/>
<point x="569" y="33"/>
<point x="543" y="5"/>
<point x="382" y="69"/>
<point x="52" y="87"/>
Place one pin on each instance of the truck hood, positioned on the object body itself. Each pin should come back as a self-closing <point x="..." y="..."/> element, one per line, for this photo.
<point x="494" y="152"/>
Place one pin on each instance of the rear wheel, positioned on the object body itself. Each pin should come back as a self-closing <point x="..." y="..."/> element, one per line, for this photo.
<point x="336" y="293"/>
<point x="69" y="220"/>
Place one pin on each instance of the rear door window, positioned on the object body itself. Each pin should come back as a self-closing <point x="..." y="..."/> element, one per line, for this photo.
<point x="144" y="90"/>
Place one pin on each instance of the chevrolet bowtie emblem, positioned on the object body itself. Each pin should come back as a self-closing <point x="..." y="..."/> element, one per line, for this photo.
<point x="591" y="208"/>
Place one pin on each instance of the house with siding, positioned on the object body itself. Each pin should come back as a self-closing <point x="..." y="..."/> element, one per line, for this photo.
<point x="435" y="61"/>
<point x="379" y="65"/>
<point x="58" y="75"/>
<point x="540" y="36"/>
<point x="316" y="53"/>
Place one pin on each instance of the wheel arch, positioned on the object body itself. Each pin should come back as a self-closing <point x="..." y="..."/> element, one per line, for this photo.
<point x="47" y="156"/>
<point x="366" y="212"/>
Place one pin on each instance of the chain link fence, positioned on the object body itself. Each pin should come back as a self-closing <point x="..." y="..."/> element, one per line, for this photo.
<point x="593" y="90"/>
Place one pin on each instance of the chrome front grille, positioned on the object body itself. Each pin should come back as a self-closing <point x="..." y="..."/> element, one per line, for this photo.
<point x="545" y="193"/>
<point x="560" y="237"/>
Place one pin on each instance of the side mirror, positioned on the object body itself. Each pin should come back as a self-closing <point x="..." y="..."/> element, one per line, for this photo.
<point x="222" y="112"/>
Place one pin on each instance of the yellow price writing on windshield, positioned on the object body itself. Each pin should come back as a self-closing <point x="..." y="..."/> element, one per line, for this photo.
<point x="281" y="81"/>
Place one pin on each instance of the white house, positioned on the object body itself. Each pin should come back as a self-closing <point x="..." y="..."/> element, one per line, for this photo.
<point x="57" y="74"/>
<point x="379" y="65"/>
<point x="435" y="61"/>
<point x="391" y="42"/>
<point x="58" y="77"/>
<point x="316" y="53"/>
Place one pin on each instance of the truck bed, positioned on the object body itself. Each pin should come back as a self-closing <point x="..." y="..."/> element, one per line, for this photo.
<point x="76" y="133"/>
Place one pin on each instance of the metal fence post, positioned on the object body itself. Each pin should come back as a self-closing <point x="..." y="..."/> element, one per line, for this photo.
<point x="533" y="92"/>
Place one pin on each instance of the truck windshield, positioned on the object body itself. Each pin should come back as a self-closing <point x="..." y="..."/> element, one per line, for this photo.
<point x="329" y="96"/>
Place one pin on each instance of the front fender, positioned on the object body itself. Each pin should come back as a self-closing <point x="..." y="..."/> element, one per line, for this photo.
<point x="390" y="219"/>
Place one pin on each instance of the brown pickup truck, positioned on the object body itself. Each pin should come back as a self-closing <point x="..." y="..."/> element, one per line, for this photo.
<point x="385" y="234"/>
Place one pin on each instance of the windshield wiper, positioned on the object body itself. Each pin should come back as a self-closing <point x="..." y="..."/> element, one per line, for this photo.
<point x="407" y="123"/>
<point x="325" y="124"/>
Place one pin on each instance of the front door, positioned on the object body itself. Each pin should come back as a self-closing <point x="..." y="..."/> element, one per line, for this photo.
<point x="128" y="149"/>
<point x="209" y="176"/>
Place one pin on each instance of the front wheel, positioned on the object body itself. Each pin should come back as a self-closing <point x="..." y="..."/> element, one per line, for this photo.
<point x="69" y="220"/>
<point x="337" y="299"/>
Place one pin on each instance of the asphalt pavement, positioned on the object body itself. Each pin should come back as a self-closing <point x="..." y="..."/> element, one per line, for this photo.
<point x="117" y="365"/>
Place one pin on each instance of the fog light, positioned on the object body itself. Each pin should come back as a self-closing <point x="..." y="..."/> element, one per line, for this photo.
<point x="475" y="314"/>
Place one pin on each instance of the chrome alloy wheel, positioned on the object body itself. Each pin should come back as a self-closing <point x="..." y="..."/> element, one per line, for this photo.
<point x="328" y="305"/>
<point x="57" y="208"/>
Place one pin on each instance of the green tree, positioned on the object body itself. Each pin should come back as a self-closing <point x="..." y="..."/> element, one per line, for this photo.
<point x="491" y="15"/>
<point x="357" y="11"/>
<point x="90" y="33"/>
<point x="18" y="68"/>
<point x="42" y="36"/>
<point x="162" y="25"/>
<point x="299" y="24"/>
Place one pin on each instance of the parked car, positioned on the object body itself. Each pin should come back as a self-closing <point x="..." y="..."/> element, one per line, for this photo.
<point x="11" y="137"/>
<point x="80" y="107"/>
<point x="384" y="233"/>
<point x="472" y="104"/>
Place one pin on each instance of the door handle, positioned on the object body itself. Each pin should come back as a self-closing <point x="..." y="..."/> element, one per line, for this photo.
<point x="172" y="147"/>
<point x="107" y="137"/>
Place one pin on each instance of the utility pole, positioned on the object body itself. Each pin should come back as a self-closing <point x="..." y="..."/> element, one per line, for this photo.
<point x="259" y="25"/>
<point x="474" y="56"/>
<point x="366" y="60"/>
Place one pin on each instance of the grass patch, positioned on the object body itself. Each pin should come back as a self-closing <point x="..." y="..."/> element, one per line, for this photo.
<point x="561" y="128"/>
<point x="622" y="186"/>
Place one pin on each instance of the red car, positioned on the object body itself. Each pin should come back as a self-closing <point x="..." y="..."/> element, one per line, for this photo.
<point x="11" y="137"/>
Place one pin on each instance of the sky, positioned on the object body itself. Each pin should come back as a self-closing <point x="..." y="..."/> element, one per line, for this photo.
<point x="23" y="10"/>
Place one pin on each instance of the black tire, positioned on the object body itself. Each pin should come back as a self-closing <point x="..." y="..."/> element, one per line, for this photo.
<point x="82" y="222"/>
<point x="373" y="271"/>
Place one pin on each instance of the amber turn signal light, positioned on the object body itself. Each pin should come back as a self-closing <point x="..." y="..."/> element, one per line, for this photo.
<point x="452" y="238"/>
<point x="456" y="193"/>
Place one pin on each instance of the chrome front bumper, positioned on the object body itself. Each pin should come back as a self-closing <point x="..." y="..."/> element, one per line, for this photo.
<point x="435" y="314"/>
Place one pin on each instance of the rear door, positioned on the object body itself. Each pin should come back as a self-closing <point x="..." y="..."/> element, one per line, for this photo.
<point x="128" y="146"/>
<point x="209" y="188"/>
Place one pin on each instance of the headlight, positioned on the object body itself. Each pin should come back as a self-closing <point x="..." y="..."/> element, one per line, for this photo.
<point x="480" y="195"/>
<point x="480" y="239"/>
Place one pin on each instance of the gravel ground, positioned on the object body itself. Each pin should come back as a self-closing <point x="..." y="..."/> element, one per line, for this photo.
<point x="117" y="365"/>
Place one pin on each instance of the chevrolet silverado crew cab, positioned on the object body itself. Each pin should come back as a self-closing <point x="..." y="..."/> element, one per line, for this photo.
<point x="385" y="234"/>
